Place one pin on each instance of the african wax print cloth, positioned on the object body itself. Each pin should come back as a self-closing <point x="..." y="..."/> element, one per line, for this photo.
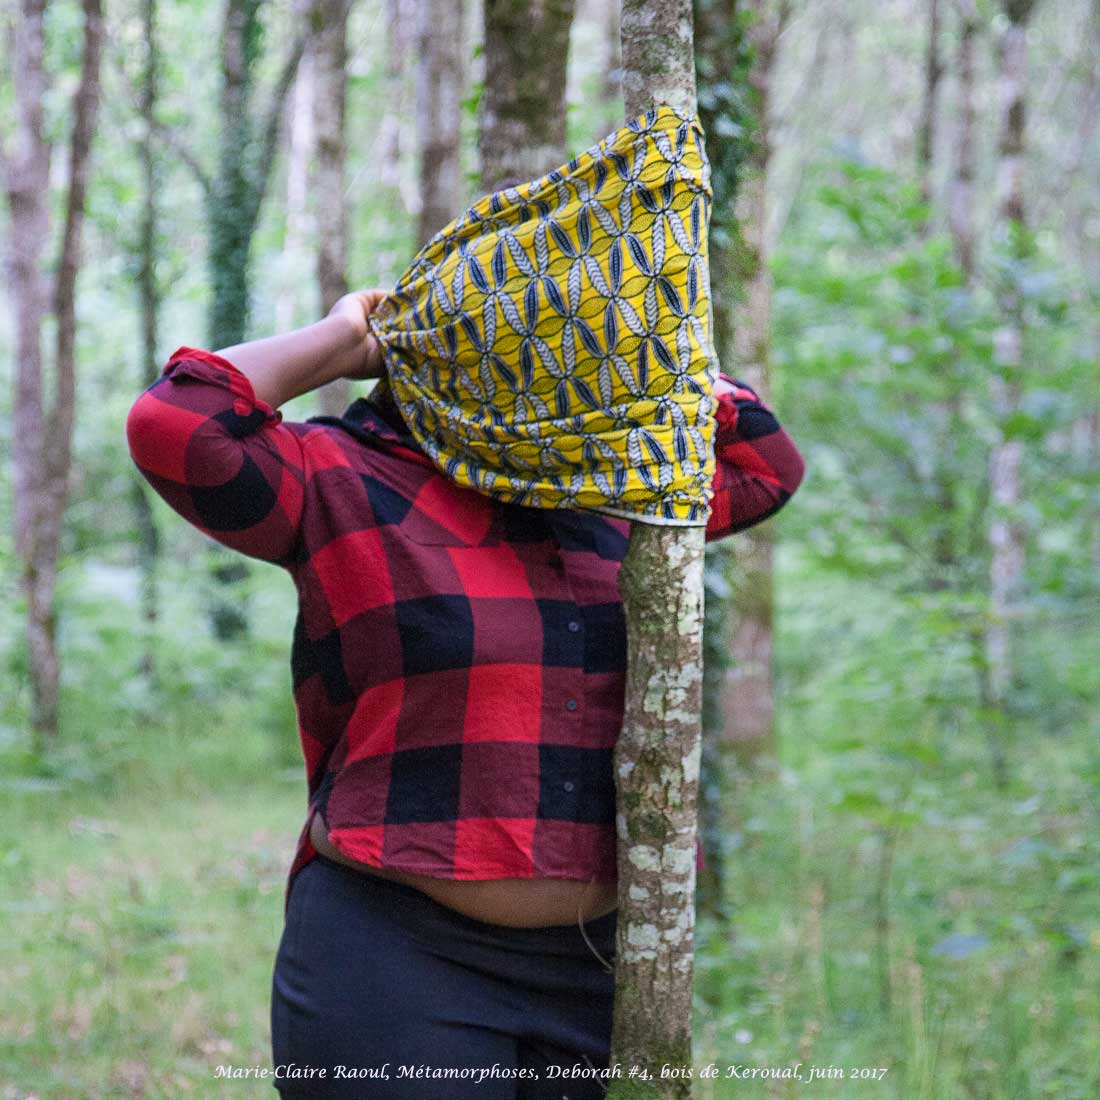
<point x="551" y="347"/>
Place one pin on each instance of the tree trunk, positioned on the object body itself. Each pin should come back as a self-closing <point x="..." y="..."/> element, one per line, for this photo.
<point x="247" y="145"/>
<point x="330" y="58"/>
<point x="613" y="62"/>
<point x="961" y="200"/>
<point x="926" y="132"/>
<point x="657" y="755"/>
<point x="749" y="691"/>
<point x="1006" y="536"/>
<point x="522" y="129"/>
<point x="149" y="299"/>
<point x="439" y="86"/>
<point x="42" y="443"/>
<point x="729" y="116"/>
<point x="395" y="136"/>
<point x="301" y="142"/>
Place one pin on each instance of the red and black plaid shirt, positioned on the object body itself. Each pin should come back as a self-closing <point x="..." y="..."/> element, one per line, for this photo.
<point x="458" y="663"/>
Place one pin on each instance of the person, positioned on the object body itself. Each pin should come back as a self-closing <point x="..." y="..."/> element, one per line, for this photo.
<point x="458" y="671"/>
<point x="459" y="653"/>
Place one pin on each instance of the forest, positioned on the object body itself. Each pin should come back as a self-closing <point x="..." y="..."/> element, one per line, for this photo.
<point x="900" y="791"/>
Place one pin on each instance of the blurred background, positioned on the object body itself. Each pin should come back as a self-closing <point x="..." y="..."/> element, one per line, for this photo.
<point x="901" y="792"/>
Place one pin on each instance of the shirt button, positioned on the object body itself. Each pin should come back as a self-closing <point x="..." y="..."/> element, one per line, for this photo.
<point x="570" y="704"/>
<point x="574" y="626"/>
<point x="568" y="785"/>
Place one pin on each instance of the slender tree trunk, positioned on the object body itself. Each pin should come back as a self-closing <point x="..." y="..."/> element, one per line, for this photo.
<point x="613" y="64"/>
<point x="1006" y="536"/>
<point x="961" y="195"/>
<point x="27" y="177"/>
<point x="749" y="691"/>
<point x="926" y="132"/>
<point x="522" y="128"/>
<point x="395" y="135"/>
<point x="729" y="114"/>
<point x="42" y="437"/>
<point x="439" y="87"/>
<point x="657" y="755"/>
<point x="961" y="217"/>
<point x="330" y="58"/>
<point x="149" y="301"/>
<point x="290" y="310"/>
<point x="1090" y="428"/>
<point x="247" y="146"/>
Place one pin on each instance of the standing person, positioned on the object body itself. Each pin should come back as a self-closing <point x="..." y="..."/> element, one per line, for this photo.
<point x="458" y="670"/>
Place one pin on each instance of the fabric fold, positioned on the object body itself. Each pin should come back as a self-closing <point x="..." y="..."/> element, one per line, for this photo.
<point x="551" y="347"/>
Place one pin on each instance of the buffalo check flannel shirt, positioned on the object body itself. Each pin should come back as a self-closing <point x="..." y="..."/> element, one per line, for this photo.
<point x="458" y="663"/>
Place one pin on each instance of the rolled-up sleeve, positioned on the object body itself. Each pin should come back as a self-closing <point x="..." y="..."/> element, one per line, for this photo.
<point x="757" y="465"/>
<point x="221" y="457"/>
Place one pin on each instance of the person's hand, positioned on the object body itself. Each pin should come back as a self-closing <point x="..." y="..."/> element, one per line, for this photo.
<point x="723" y="385"/>
<point x="366" y="359"/>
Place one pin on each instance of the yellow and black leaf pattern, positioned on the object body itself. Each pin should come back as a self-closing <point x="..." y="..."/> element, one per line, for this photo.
<point x="551" y="347"/>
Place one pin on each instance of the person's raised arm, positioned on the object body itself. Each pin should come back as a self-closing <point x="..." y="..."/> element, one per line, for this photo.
<point x="339" y="346"/>
<point x="208" y="437"/>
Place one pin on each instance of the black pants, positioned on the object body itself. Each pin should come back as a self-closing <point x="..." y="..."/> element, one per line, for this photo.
<point x="373" y="974"/>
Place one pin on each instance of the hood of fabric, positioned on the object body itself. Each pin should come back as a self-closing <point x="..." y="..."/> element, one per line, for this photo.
<point x="551" y="347"/>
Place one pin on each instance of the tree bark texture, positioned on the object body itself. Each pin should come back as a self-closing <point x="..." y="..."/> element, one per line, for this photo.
<point x="1006" y="535"/>
<point x="961" y="192"/>
<point x="657" y="755"/>
<point x="290" y="310"/>
<point x="247" y="146"/>
<point x="721" y="75"/>
<point x="440" y="84"/>
<point x="395" y="134"/>
<point x="149" y="296"/>
<point x="926" y="131"/>
<point x="42" y="437"/>
<point x="748" y="695"/>
<point x="522" y="124"/>
<point x="329" y="55"/>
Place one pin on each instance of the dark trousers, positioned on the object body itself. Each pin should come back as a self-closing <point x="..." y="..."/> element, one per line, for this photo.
<point x="375" y="975"/>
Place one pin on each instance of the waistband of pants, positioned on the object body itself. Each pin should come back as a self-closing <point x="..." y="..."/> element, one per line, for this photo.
<point x="426" y="911"/>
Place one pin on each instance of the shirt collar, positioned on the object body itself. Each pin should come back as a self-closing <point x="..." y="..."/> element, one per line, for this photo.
<point x="375" y="418"/>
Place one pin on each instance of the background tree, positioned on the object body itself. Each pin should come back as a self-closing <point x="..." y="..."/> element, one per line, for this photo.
<point x="150" y="297"/>
<point x="299" y="142"/>
<point x="43" y="433"/>
<point x="933" y="74"/>
<point x="749" y="694"/>
<point x="1006" y="533"/>
<point x="522" y="120"/>
<point x="440" y="87"/>
<point x="330" y="79"/>
<point x="234" y="193"/>
<point x="961" y="192"/>
<point x="735" y="54"/>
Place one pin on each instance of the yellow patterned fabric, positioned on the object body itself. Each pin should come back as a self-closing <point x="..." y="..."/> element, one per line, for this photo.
<point x="551" y="347"/>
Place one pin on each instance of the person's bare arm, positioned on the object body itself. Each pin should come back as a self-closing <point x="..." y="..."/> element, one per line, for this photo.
<point x="339" y="346"/>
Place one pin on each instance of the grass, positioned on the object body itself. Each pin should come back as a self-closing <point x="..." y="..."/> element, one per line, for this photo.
<point x="138" y="941"/>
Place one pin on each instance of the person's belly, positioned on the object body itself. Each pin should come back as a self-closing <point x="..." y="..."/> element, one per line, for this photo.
<point x="515" y="902"/>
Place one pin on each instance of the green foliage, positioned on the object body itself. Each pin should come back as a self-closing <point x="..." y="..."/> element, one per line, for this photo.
<point x="892" y="356"/>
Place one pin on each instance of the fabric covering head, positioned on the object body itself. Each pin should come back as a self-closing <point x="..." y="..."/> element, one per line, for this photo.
<point x="551" y="347"/>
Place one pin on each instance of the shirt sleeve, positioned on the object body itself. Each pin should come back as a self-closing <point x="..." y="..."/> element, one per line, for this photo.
<point x="758" y="467"/>
<point x="221" y="457"/>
